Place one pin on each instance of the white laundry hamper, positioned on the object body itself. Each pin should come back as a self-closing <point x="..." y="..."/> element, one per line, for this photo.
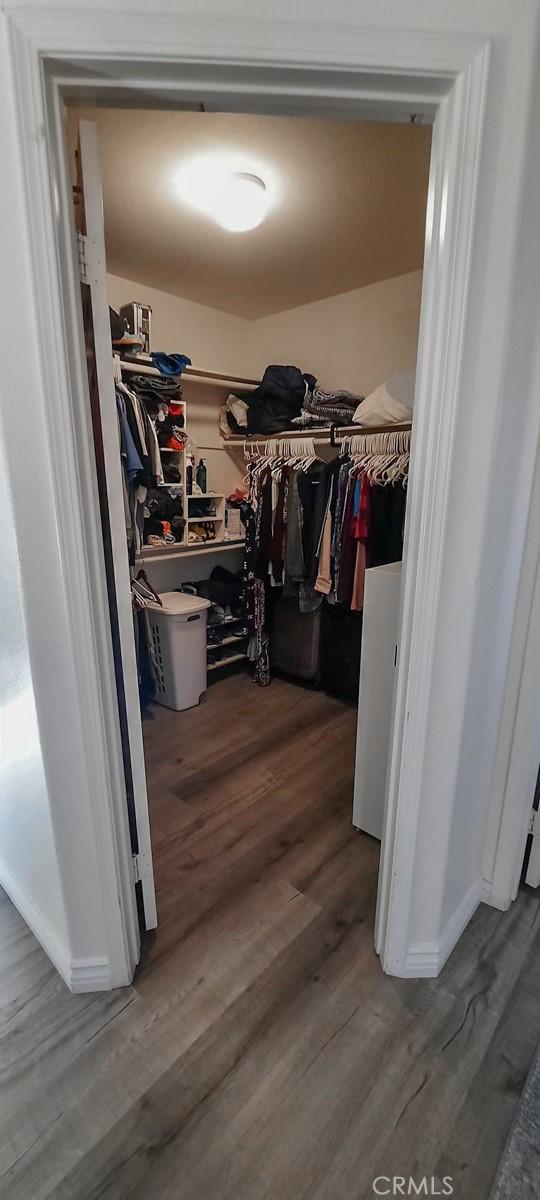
<point x="178" y="649"/>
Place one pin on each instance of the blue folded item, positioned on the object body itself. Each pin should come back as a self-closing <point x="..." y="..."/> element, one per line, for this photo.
<point x="170" y="364"/>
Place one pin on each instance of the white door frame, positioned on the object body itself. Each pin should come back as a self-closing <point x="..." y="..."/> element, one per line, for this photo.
<point x="93" y="270"/>
<point x="382" y="73"/>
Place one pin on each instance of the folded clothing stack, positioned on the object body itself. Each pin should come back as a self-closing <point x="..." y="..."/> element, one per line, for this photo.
<point x="327" y="408"/>
<point x="162" y="399"/>
<point x="202" y="508"/>
<point x="170" y="430"/>
<point x="156" y="392"/>
<point x="164" y="521"/>
<point x="171" y="473"/>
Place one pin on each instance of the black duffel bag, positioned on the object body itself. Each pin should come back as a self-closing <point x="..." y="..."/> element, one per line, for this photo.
<point x="277" y="399"/>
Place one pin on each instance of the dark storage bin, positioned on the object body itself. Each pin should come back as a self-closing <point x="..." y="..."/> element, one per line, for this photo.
<point x="295" y="640"/>
<point x="341" y="639"/>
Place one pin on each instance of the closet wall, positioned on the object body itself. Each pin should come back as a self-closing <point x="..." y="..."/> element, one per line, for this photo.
<point x="354" y="340"/>
<point x="213" y="339"/>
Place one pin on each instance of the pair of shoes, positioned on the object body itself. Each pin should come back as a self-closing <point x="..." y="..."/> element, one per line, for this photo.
<point x="205" y="533"/>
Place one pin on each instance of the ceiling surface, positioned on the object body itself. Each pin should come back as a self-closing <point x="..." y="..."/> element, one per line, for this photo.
<point x="347" y="205"/>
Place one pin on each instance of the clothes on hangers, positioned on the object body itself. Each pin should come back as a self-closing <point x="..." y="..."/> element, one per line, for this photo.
<point x="254" y="590"/>
<point x="128" y="450"/>
<point x="323" y="582"/>
<point x="362" y="513"/>
<point x="314" y="527"/>
<point x="279" y="528"/>
<point x="385" y="538"/>
<point x="142" y="592"/>
<point x="150" y="414"/>
<point x="294" y="548"/>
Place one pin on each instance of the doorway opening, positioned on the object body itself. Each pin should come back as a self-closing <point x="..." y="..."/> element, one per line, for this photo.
<point x="254" y="459"/>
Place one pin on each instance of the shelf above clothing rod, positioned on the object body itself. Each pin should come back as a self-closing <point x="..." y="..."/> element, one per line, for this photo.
<point x="193" y="374"/>
<point x="219" y="379"/>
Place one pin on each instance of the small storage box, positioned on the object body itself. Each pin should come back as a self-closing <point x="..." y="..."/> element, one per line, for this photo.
<point x="233" y="523"/>
<point x="178" y="649"/>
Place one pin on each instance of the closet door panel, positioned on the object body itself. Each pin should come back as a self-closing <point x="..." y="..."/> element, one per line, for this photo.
<point x="532" y="877"/>
<point x="532" y="874"/>
<point x="89" y="211"/>
<point x="376" y="695"/>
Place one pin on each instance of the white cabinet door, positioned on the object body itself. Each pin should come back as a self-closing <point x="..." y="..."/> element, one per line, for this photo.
<point x="89" y="220"/>
<point x="376" y="695"/>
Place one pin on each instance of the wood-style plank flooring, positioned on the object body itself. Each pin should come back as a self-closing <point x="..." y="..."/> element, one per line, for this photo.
<point x="261" y="1053"/>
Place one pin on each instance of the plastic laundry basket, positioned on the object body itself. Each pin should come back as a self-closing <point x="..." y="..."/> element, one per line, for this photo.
<point x="178" y="634"/>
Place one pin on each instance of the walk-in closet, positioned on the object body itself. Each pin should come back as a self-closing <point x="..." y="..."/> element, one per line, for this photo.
<point x="252" y="426"/>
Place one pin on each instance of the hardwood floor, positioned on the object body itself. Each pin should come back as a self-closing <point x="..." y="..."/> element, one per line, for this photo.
<point x="260" y="1052"/>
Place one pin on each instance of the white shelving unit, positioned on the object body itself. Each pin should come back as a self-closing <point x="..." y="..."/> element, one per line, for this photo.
<point x="211" y="499"/>
<point x="203" y="392"/>
<point x="219" y="651"/>
<point x="178" y="549"/>
<point x="207" y="502"/>
<point x="226" y="662"/>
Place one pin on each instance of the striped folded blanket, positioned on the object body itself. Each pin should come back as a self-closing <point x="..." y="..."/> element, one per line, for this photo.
<point x="339" y="399"/>
<point x="327" y="408"/>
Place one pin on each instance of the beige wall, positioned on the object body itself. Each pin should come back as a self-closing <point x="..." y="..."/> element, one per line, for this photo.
<point x="214" y="340"/>
<point x="354" y="340"/>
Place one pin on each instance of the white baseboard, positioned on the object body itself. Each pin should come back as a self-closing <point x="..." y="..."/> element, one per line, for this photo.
<point x="421" y="961"/>
<point x="486" y="891"/>
<point x="53" y="946"/>
<point x="90" y="975"/>
<point x="79" y="974"/>
<point x="425" y="960"/>
<point x="493" y="897"/>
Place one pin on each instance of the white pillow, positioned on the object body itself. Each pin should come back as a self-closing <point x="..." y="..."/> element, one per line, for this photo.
<point x="390" y="404"/>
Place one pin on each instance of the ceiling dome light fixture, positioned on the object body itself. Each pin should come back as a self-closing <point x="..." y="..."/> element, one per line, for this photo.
<point x="235" y="200"/>
<point x="241" y="203"/>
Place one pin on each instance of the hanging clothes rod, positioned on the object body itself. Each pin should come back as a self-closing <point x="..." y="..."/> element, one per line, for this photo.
<point x="385" y="441"/>
<point x="349" y="437"/>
